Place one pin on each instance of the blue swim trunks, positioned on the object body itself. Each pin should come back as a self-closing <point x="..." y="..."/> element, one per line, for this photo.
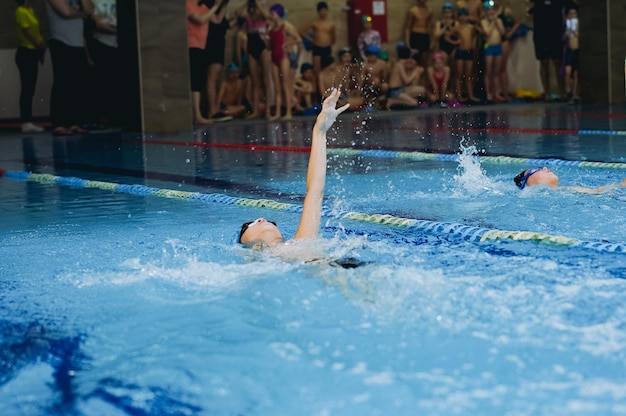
<point x="493" y="50"/>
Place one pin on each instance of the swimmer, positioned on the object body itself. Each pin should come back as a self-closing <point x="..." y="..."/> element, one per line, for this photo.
<point x="544" y="176"/>
<point x="261" y="233"/>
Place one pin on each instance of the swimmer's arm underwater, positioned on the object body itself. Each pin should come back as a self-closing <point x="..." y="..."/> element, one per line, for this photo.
<point x="316" y="173"/>
<point x="598" y="190"/>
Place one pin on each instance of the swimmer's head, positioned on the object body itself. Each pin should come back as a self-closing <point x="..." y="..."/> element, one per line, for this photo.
<point x="488" y="4"/>
<point x="306" y="66"/>
<point x="322" y="6"/>
<point x="278" y="9"/>
<point x="536" y="176"/>
<point x="403" y="51"/>
<point x="447" y="6"/>
<point x="463" y="11"/>
<point x="259" y="233"/>
<point x="372" y="50"/>
<point x="439" y="56"/>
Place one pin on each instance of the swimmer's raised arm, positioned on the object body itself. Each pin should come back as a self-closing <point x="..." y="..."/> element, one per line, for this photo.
<point x="316" y="173"/>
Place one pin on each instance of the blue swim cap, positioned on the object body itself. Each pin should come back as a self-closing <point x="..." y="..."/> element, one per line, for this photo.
<point x="488" y="4"/>
<point x="447" y="6"/>
<point x="305" y="67"/>
<point x="231" y="67"/>
<point x="372" y="50"/>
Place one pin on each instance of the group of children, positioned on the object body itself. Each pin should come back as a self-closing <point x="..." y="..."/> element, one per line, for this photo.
<point x="436" y="65"/>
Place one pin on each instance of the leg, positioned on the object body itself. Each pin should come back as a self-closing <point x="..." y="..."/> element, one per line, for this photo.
<point x="277" y="95"/>
<point x="459" y="79"/>
<point x="497" y="91"/>
<point x="504" y="78"/>
<point x="544" y="69"/>
<point x="556" y="63"/>
<point x="213" y="75"/>
<point x="255" y="76"/>
<point x="287" y="82"/>
<point x="198" y="118"/>
<point x="28" y="66"/>
<point x="489" y="75"/>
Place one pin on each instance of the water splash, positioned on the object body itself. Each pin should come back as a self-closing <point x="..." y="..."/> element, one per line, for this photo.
<point x="471" y="178"/>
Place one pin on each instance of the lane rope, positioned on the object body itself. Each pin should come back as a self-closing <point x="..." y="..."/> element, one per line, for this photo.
<point x="392" y="154"/>
<point x="445" y="229"/>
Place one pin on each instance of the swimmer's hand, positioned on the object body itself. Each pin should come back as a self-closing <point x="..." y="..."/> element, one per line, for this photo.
<point x="329" y="113"/>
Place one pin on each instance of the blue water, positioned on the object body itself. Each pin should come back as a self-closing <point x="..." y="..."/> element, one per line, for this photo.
<point x="117" y="304"/>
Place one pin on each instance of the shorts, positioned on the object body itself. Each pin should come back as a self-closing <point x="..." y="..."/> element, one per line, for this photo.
<point x="464" y="55"/>
<point x="197" y="69"/>
<point x="493" y="50"/>
<point x="420" y="41"/>
<point x="571" y="59"/>
<point x="323" y="51"/>
<point x="395" y="92"/>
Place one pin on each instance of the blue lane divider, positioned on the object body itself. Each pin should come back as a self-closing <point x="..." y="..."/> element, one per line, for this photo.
<point x="445" y="229"/>
<point x="454" y="157"/>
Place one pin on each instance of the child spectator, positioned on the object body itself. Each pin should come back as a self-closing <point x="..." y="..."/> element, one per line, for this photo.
<point x="368" y="36"/>
<point x="375" y="76"/>
<point x="345" y="76"/>
<point x="463" y="35"/>
<point x="417" y="29"/>
<point x="571" y="56"/>
<point x="321" y="32"/>
<point x="30" y="51"/>
<point x="443" y="29"/>
<point x="282" y="35"/>
<point x="438" y="78"/>
<point x="404" y="83"/>
<point x="231" y="93"/>
<point x="305" y="88"/>
<point x="241" y="44"/>
<point x="215" y="52"/>
<point x="259" y="64"/>
<point x="474" y="9"/>
<point x="493" y="30"/>
<point x="511" y="25"/>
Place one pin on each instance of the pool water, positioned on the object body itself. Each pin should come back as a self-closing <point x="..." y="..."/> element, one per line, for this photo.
<point x="117" y="303"/>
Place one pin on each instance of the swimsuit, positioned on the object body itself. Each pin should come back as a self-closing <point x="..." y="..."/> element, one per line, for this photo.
<point x="395" y="92"/>
<point x="438" y="81"/>
<point x="493" y="50"/>
<point x="571" y="58"/>
<point x="464" y="55"/>
<point x="323" y="51"/>
<point x="277" y="42"/>
<point x="444" y="45"/>
<point x="420" y="41"/>
<point x="256" y="44"/>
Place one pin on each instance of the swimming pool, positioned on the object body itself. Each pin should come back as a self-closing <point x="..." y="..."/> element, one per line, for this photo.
<point x="136" y="300"/>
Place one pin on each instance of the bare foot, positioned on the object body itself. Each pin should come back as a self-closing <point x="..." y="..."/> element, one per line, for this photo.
<point x="287" y="117"/>
<point x="270" y="117"/>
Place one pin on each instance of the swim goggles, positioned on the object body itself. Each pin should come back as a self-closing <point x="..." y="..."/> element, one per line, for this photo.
<point x="246" y="225"/>
<point x="520" y="180"/>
